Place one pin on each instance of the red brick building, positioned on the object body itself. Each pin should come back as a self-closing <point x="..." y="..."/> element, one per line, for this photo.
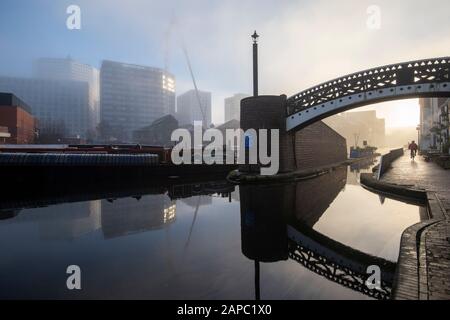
<point x="16" y="116"/>
<point x="4" y="134"/>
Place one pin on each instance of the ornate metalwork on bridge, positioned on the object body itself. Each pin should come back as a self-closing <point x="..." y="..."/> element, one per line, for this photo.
<point x="336" y="272"/>
<point x="421" y="78"/>
<point x="339" y="263"/>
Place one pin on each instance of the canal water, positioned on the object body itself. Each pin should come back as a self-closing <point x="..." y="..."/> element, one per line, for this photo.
<point x="205" y="240"/>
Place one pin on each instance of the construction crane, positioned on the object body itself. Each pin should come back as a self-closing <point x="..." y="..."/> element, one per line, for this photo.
<point x="168" y="33"/>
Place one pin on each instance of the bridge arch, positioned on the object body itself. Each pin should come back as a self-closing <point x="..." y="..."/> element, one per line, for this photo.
<point x="413" y="79"/>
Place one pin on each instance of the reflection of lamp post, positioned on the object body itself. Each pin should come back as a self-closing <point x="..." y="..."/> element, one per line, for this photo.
<point x="255" y="37"/>
<point x="257" y="286"/>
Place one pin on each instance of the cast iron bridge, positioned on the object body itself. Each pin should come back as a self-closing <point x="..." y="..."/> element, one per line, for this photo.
<point x="414" y="79"/>
<point x="338" y="262"/>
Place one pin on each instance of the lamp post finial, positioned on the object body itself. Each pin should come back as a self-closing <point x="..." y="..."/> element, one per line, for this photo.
<point x="255" y="37"/>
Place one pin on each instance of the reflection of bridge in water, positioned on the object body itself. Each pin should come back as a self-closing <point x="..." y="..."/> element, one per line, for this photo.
<point x="276" y="220"/>
<point x="277" y="223"/>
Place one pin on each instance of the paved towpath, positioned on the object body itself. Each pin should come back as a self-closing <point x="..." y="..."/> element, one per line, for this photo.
<point x="434" y="239"/>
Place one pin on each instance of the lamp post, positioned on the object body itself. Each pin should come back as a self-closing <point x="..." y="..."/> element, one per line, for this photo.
<point x="418" y="135"/>
<point x="255" y="37"/>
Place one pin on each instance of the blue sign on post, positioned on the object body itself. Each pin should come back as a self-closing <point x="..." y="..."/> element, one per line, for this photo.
<point x="248" y="142"/>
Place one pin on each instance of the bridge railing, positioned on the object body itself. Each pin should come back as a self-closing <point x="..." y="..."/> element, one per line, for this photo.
<point x="406" y="73"/>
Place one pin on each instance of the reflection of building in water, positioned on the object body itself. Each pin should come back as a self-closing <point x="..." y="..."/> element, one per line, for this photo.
<point x="314" y="196"/>
<point x="356" y="168"/>
<point x="133" y="215"/>
<point x="197" y="201"/>
<point x="187" y="191"/>
<point x="352" y="177"/>
<point x="235" y="195"/>
<point x="62" y="222"/>
<point x="277" y="224"/>
<point x="265" y="209"/>
<point x="72" y="221"/>
<point x="263" y="226"/>
<point x="170" y="213"/>
<point x="9" y="213"/>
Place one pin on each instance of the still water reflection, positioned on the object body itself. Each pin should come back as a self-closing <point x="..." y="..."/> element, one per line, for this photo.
<point x="207" y="240"/>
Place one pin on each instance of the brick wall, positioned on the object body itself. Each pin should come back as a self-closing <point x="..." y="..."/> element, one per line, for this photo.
<point x="314" y="146"/>
<point x="20" y="124"/>
<point x="318" y="145"/>
<point x="264" y="112"/>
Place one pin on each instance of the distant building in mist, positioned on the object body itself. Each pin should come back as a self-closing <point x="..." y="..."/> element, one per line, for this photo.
<point x="232" y="124"/>
<point x="70" y="69"/>
<point x="62" y="106"/>
<point x="434" y="124"/>
<point x="66" y="69"/>
<point x="360" y="126"/>
<point x="233" y="106"/>
<point x="189" y="109"/>
<point x="63" y="94"/>
<point x="133" y="96"/>
<point x="158" y="133"/>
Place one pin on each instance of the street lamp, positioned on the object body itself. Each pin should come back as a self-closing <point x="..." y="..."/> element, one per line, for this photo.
<point x="418" y="135"/>
<point x="255" y="37"/>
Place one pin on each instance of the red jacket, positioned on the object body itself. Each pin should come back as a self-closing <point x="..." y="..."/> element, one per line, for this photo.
<point x="413" y="146"/>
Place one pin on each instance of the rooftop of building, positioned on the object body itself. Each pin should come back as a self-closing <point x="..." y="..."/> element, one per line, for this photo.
<point x="239" y="95"/>
<point x="231" y="124"/>
<point x="9" y="99"/>
<point x="59" y="60"/>
<point x="162" y="120"/>
<point x="43" y="81"/>
<point x="134" y="66"/>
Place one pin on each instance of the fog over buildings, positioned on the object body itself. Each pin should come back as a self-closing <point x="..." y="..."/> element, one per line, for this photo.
<point x="59" y="105"/>
<point x="359" y="127"/>
<point x="64" y="93"/>
<point x="221" y="57"/>
<point x="232" y="106"/>
<point x="194" y="106"/>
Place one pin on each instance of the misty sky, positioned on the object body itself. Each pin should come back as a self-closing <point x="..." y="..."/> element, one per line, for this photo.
<point x="303" y="43"/>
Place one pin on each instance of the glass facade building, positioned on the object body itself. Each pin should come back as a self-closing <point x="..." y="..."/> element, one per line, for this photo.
<point x="133" y="96"/>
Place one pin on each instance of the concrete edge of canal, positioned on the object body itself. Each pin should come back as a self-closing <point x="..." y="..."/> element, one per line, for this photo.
<point x="411" y="279"/>
<point x="237" y="177"/>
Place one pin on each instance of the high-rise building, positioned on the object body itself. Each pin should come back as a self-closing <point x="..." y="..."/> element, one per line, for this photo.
<point x="133" y="96"/>
<point x="65" y="69"/>
<point x="70" y="69"/>
<point x="58" y="105"/>
<point x="63" y="93"/>
<point x="233" y="106"/>
<point x="190" y="109"/>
